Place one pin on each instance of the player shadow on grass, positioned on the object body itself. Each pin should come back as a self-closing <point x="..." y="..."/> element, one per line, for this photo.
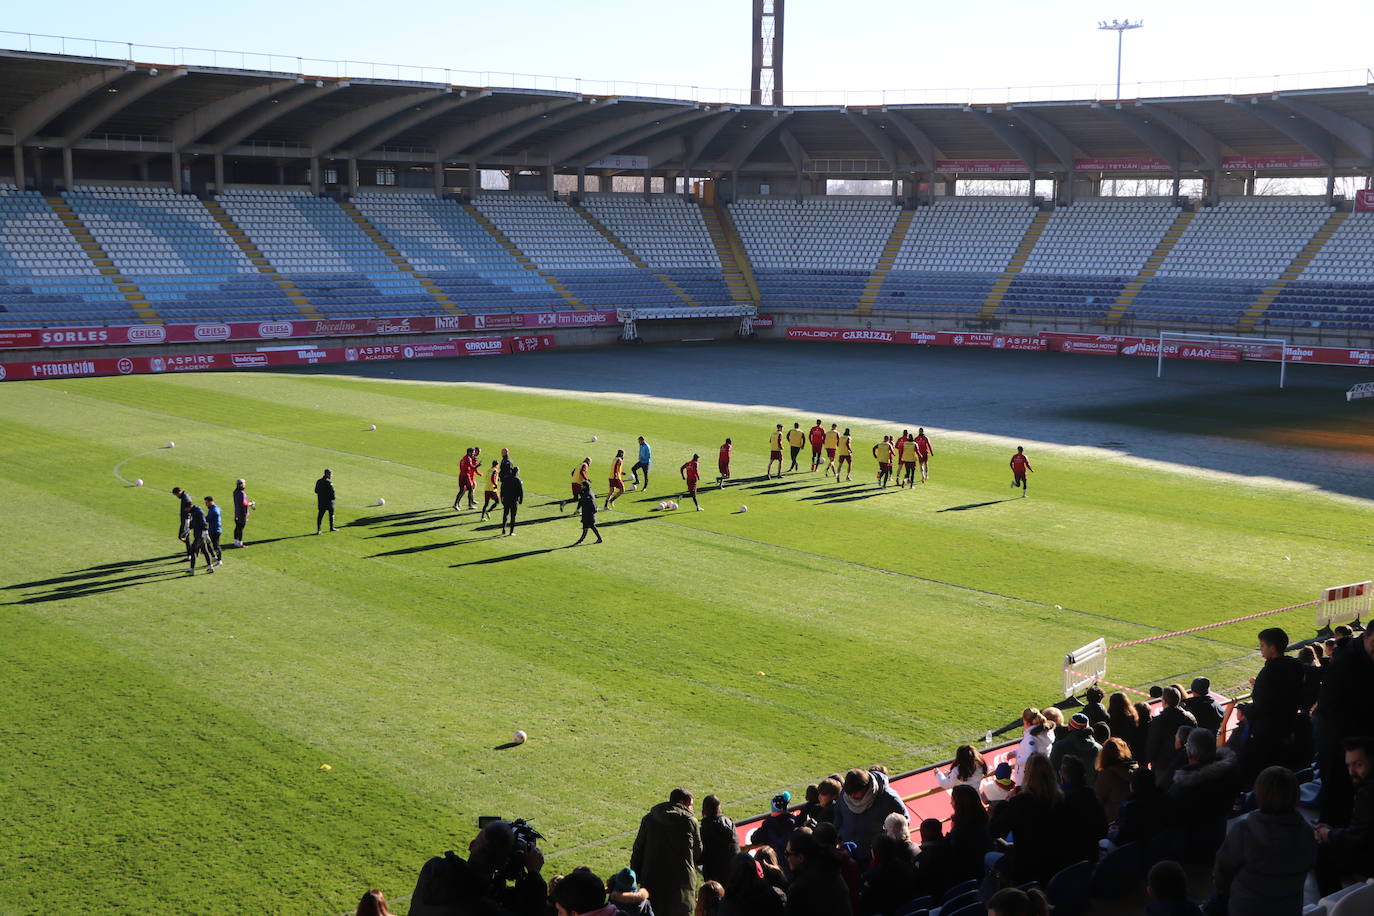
<point x="868" y="494"/>
<point x="421" y="548"/>
<point x="407" y="531"/>
<point x="391" y="517"/>
<point x="95" y="572"/>
<point x="85" y="589"/>
<point x="991" y="502"/>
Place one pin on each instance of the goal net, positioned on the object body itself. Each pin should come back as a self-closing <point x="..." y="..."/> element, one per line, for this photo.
<point x="1221" y="348"/>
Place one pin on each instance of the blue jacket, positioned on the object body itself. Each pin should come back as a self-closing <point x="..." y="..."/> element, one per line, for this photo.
<point x="645" y="454"/>
<point x="860" y="827"/>
<point x="212" y="519"/>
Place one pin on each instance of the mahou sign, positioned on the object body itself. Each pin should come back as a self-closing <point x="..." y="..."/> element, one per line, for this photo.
<point x="144" y="334"/>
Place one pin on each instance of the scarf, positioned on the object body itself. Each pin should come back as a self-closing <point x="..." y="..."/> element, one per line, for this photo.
<point x="863" y="804"/>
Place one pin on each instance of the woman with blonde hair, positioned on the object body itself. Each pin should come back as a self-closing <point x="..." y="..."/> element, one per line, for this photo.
<point x="1032" y="816"/>
<point x="1114" y="768"/>
<point x="1037" y="739"/>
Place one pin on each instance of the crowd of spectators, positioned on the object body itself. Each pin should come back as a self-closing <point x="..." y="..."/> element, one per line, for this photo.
<point x="1167" y="780"/>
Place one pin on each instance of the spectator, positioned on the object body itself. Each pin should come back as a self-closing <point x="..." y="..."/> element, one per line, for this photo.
<point x="1037" y="739"/>
<point x="1000" y="786"/>
<point x="895" y="826"/>
<point x="866" y="802"/>
<point x="969" y="769"/>
<point x="1312" y="675"/>
<point x="767" y="857"/>
<point x="1344" y="711"/>
<point x="1167" y="885"/>
<point x="448" y="884"/>
<point x="1204" y="709"/>
<point x="1160" y="743"/>
<point x="719" y="841"/>
<point x="581" y="893"/>
<point x="806" y="815"/>
<point x="748" y="893"/>
<point x="623" y="891"/>
<point x="1205" y="788"/>
<point x="1113" y="784"/>
<point x="1012" y="901"/>
<point x="1263" y="862"/>
<point x="1084" y="822"/>
<point x="1350" y="849"/>
<point x="891" y="881"/>
<point x="850" y="869"/>
<point x="933" y="865"/>
<point x="1273" y="705"/>
<point x="1240" y="731"/>
<point x="969" y="838"/>
<point x="666" y="853"/>
<point x="817" y="889"/>
<point x="1094" y="709"/>
<point x="1078" y="743"/>
<point x="1054" y="717"/>
<point x="1126" y="725"/>
<point x="1145" y="814"/>
<point x="709" y="897"/>
<point x="1031" y="814"/>
<point x="776" y="828"/>
<point x="1101" y="732"/>
<point x="373" y="904"/>
<point x="828" y="791"/>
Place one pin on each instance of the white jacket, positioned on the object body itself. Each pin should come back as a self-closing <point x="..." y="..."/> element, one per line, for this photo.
<point x="1036" y="740"/>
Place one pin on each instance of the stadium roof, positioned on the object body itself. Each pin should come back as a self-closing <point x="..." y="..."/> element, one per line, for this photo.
<point x="85" y="103"/>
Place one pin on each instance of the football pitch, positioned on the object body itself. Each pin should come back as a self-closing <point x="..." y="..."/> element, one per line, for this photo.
<point x="165" y="736"/>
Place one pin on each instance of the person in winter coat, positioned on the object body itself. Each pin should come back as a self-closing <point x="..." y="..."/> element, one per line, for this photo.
<point x="1080" y="743"/>
<point x="1032" y="816"/>
<point x="748" y="893"/>
<point x="1126" y="725"/>
<point x="1205" y="710"/>
<point x="775" y="830"/>
<point x="719" y="842"/>
<point x="861" y="810"/>
<point x="1093" y="708"/>
<point x="969" y="769"/>
<point x="586" y="502"/>
<point x="666" y="853"/>
<point x="512" y="495"/>
<point x="1113" y="784"/>
<point x="1263" y="862"/>
<point x="1037" y="739"/>
<point x="817" y="888"/>
<point x="891" y="881"/>
<point x="1163" y="729"/>
<point x="623" y="891"/>
<point x="1274" y="703"/>
<point x="581" y="893"/>
<point x="1205" y="789"/>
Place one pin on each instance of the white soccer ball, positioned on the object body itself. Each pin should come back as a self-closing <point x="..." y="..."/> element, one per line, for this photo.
<point x="372" y="427"/>
<point x="663" y="506"/>
<point x="593" y="438"/>
<point x="380" y="501"/>
<point x="520" y="737"/>
<point x="672" y="504"/>
<point x="171" y="445"/>
<point x="139" y="482"/>
<point x="744" y="508"/>
<point x="633" y="487"/>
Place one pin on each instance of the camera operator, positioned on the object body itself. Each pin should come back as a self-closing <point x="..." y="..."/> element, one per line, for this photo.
<point x="499" y="878"/>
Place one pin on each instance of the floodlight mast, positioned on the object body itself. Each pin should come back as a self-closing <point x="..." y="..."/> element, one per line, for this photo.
<point x="1120" y="27"/>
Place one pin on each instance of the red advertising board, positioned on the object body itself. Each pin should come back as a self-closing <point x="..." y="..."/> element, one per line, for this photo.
<point x="1303" y="161"/>
<point x="1364" y="201"/>
<point x="144" y="334"/>
<point x="1122" y="164"/>
<point x="980" y="166"/>
<point x="763" y="321"/>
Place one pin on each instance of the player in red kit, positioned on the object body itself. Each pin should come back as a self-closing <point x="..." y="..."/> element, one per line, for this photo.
<point x="723" y="463"/>
<point x="817" y="438"/>
<point x="691" y="472"/>
<point x="923" y="452"/>
<point x="1020" y="465"/>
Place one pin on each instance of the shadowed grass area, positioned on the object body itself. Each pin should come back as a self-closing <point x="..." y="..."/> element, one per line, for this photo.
<point x="167" y="732"/>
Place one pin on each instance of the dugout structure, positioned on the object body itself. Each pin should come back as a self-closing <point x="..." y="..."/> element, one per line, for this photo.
<point x="1223" y="347"/>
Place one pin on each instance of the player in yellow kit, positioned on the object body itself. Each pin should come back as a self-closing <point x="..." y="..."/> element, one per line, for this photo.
<point x="846" y="459"/>
<point x="580" y="475"/>
<point x="492" y="497"/>
<point x="795" y="440"/>
<point x="616" y="485"/>
<point x="774" y="452"/>
<point x="883" y="453"/>
<point x="832" y="445"/>
<point x="908" y="458"/>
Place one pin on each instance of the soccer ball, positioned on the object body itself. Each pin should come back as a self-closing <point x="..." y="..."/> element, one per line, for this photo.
<point x="663" y="506"/>
<point x="672" y="504"/>
<point x="593" y="438"/>
<point x="520" y="737"/>
<point x="380" y="501"/>
<point x="372" y="427"/>
<point x="139" y="482"/>
<point x="171" y="445"/>
<point x="744" y="508"/>
<point x="633" y="487"/>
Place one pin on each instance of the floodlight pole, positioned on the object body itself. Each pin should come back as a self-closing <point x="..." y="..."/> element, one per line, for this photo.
<point x="1120" y="27"/>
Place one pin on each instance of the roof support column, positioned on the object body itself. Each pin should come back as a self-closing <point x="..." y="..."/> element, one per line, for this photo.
<point x="649" y="182"/>
<point x="581" y="180"/>
<point x="548" y="183"/>
<point x="1331" y="182"/>
<point x="19" y="166"/>
<point x="219" y="172"/>
<point x="176" y="173"/>
<point x="437" y="171"/>
<point x="68" y="173"/>
<point x="315" y="175"/>
<point x="352" y="177"/>
<point x="474" y="179"/>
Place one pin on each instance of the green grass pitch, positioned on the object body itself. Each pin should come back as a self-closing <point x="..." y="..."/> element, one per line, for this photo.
<point x="163" y="735"/>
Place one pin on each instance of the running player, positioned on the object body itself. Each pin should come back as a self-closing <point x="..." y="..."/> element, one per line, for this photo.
<point x="846" y="459"/>
<point x="691" y="472"/>
<point x="580" y="475"/>
<point x="901" y="440"/>
<point x="832" y="445"/>
<point x="616" y="485"/>
<point x="817" y="439"/>
<point x="907" y="455"/>
<point x="923" y="452"/>
<point x="464" y="479"/>
<point x="774" y="453"/>
<point x="491" y="499"/>
<point x="795" y="440"/>
<point x="883" y="452"/>
<point x="723" y="463"/>
<point x="1020" y="464"/>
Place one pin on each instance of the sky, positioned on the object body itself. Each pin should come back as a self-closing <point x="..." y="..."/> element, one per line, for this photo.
<point x="866" y="45"/>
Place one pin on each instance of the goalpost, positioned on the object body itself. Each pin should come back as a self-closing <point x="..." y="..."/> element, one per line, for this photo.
<point x="1226" y="346"/>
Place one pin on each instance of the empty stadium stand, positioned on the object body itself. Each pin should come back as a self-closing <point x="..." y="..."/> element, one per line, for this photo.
<point x="1337" y="287"/>
<point x="815" y="252"/>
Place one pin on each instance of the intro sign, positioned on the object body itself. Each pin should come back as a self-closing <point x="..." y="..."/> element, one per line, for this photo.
<point x="144" y="334"/>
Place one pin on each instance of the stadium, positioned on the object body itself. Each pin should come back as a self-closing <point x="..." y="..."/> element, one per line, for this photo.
<point x="1150" y="312"/>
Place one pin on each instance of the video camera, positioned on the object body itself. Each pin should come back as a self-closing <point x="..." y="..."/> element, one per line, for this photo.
<point x="526" y="838"/>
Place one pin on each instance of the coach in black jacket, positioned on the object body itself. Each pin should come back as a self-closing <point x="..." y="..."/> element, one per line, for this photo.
<point x="512" y="495"/>
<point x="1274" y="705"/>
<point x="324" y="500"/>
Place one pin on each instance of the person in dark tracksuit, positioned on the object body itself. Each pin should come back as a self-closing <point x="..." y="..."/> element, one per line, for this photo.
<point x="242" y="506"/>
<point x="214" y="527"/>
<point x="183" y="513"/>
<point x="512" y="495"/>
<point x="587" y="503"/>
<point x="196" y="543"/>
<point x="324" y="500"/>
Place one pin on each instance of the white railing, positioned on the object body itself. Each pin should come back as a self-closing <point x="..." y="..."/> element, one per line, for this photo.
<point x="978" y="95"/>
